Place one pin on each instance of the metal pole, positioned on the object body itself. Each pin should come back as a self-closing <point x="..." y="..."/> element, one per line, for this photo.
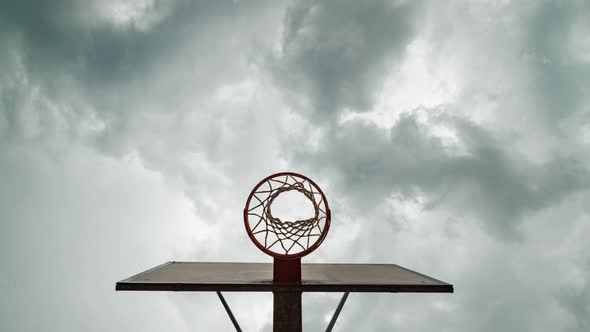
<point x="337" y="312"/>
<point x="286" y="311"/>
<point x="228" y="310"/>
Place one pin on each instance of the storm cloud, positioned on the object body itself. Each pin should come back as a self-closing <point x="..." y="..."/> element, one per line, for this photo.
<point x="451" y="138"/>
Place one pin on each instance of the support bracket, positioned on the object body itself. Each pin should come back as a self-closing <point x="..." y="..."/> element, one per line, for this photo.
<point x="229" y="313"/>
<point x="337" y="312"/>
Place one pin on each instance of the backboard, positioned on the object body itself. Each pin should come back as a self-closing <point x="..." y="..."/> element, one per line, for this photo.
<point x="257" y="277"/>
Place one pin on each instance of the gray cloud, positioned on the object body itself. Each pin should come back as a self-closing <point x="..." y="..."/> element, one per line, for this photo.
<point x="102" y="71"/>
<point x="131" y="133"/>
<point x="67" y="236"/>
<point x="372" y="164"/>
<point x="68" y="36"/>
<point x="334" y="52"/>
<point x="575" y="300"/>
<point x="561" y="79"/>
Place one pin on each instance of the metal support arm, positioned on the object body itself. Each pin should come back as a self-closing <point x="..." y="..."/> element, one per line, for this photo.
<point x="228" y="310"/>
<point x="337" y="312"/>
<point x="328" y="329"/>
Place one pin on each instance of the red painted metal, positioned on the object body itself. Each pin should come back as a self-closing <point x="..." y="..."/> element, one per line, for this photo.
<point x="286" y="271"/>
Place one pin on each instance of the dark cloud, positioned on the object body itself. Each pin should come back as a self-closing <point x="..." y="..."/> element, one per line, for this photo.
<point x="68" y="36"/>
<point x="83" y="68"/>
<point x="487" y="178"/>
<point x="334" y="53"/>
<point x="560" y="78"/>
<point x="126" y="141"/>
<point x="575" y="300"/>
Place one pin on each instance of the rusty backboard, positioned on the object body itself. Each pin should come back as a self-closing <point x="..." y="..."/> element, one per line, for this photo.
<point x="257" y="277"/>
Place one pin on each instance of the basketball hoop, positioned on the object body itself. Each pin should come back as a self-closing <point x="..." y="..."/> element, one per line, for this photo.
<point x="286" y="239"/>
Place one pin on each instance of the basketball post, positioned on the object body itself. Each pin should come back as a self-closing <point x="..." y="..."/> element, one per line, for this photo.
<point x="287" y="311"/>
<point x="289" y="240"/>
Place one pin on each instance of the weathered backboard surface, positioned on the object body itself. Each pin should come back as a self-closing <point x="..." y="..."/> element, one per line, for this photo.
<point x="257" y="277"/>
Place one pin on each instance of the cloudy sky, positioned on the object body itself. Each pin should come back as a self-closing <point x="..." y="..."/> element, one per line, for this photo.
<point x="450" y="137"/>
